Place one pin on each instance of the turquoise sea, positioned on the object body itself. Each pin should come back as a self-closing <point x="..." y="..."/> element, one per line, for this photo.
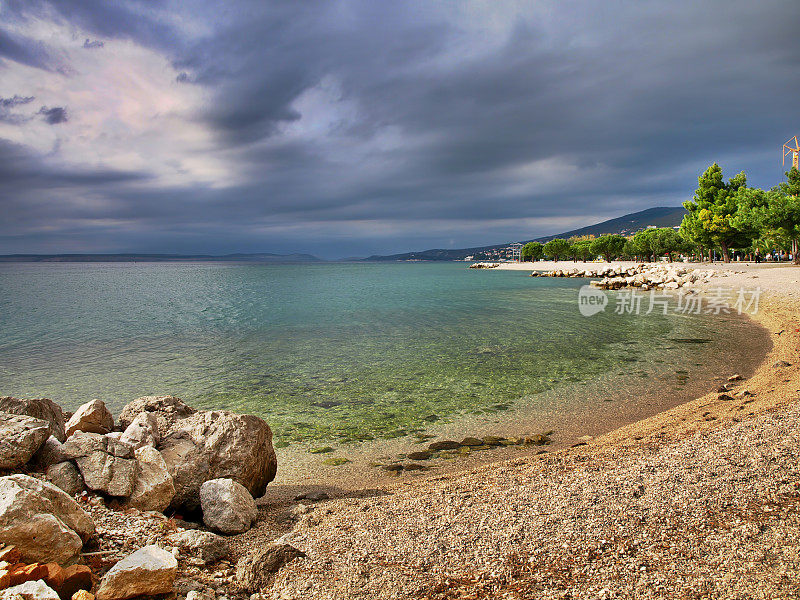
<point x="343" y="352"/>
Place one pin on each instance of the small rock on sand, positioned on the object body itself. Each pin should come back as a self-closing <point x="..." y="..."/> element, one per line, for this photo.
<point x="255" y="570"/>
<point x="227" y="506"/>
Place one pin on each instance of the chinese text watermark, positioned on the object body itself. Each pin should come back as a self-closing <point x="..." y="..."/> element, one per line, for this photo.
<point x="716" y="301"/>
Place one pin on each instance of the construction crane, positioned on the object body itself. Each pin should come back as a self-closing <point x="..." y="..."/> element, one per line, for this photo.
<point x="787" y="149"/>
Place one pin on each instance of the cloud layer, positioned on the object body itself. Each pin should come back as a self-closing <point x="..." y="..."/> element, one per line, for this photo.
<point x="359" y="127"/>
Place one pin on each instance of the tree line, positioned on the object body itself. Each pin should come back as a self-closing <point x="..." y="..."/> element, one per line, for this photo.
<point x="722" y="217"/>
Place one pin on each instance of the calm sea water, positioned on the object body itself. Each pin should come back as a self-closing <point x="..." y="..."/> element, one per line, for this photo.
<point x="334" y="351"/>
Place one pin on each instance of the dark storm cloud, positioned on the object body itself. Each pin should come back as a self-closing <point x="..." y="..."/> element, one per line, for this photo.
<point x="362" y="126"/>
<point x="134" y="19"/>
<point x="55" y="115"/>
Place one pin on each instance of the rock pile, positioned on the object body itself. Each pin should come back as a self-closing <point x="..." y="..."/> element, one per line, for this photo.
<point x="149" y="571"/>
<point x="482" y="265"/>
<point x="159" y="456"/>
<point x="657" y="276"/>
<point x="162" y="454"/>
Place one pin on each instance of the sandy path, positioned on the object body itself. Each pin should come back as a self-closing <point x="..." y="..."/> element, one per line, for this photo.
<point x="699" y="501"/>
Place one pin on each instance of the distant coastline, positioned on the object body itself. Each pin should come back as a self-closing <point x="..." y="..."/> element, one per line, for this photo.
<point x="85" y="258"/>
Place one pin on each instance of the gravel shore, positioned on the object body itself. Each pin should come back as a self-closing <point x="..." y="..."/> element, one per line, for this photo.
<point x="698" y="502"/>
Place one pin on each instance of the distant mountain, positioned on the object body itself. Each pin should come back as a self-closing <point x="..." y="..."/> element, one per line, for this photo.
<point x="661" y="216"/>
<point x="262" y="257"/>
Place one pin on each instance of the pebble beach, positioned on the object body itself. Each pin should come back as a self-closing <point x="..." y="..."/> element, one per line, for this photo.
<point x="700" y="501"/>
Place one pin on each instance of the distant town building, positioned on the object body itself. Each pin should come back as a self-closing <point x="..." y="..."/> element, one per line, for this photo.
<point x="515" y="251"/>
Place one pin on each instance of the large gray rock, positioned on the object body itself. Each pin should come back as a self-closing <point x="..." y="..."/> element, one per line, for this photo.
<point x="30" y="590"/>
<point x="257" y="569"/>
<point x="149" y="571"/>
<point x="65" y="475"/>
<point x="20" y="437"/>
<point x="45" y="523"/>
<point x="107" y="465"/>
<point x="92" y="417"/>
<point x="208" y="547"/>
<point x="143" y="431"/>
<point x="167" y="410"/>
<point x="49" y="453"/>
<point x="38" y="408"/>
<point x="227" y="506"/>
<point x="218" y="444"/>
<point x="153" y="488"/>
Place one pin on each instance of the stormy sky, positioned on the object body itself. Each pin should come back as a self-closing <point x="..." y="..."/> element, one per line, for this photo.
<point x="351" y="127"/>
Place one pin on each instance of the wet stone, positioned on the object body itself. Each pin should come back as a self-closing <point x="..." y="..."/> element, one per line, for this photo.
<point x="423" y="455"/>
<point x="471" y="441"/>
<point x="443" y="445"/>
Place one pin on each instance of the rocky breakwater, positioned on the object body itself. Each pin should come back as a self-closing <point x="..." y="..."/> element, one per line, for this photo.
<point x="162" y="455"/>
<point x="484" y="265"/>
<point x="655" y="276"/>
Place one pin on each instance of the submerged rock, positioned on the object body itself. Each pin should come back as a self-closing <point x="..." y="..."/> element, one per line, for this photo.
<point x="539" y="439"/>
<point x="471" y="441"/>
<point x="443" y="445"/>
<point x="492" y="440"/>
<point x="422" y="455"/>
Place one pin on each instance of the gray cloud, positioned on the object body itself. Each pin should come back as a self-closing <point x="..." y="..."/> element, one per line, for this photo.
<point x="26" y="51"/>
<point x="91" y="45"/>
<point x="55" y="115"/>
<point x="8" y="104"/>
<point x="365" y="127"/>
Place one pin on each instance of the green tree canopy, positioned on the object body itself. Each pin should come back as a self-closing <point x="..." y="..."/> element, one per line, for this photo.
<point x="629" y="250"/>
<point x="609" y="245"/>
<point x="665" y="240"/>
<point x="712" y="213"/>
<point x="557" y="248"/>
<point x="581" y="250"/>
<point x="775" y="214"/>
<point x="643" y="243"/>
<point x="532" y="251"/>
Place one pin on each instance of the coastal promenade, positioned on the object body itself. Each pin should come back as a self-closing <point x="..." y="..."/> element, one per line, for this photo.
<point x="701" y="501"/>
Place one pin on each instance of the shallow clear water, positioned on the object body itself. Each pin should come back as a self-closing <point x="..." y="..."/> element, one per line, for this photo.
<point x="332" y="351"/>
